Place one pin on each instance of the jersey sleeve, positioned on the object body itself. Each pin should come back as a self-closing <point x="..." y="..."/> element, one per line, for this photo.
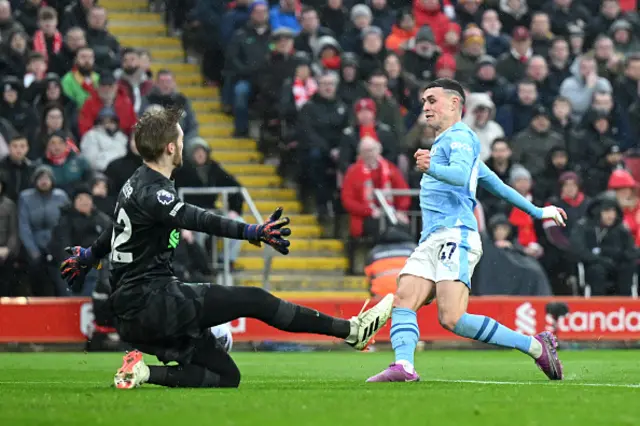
<point x="462" y="155"/>
<point x="492" y="183"/>
<point x="170" y="210"/>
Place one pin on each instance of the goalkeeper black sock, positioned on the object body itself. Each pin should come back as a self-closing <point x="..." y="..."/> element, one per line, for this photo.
<point x="183" y="376"/>
<point x="300" y="319"/>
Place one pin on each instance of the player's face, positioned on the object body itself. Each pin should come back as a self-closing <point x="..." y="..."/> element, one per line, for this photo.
<point x="177" y="155"/>
<point x="437" y="107"/>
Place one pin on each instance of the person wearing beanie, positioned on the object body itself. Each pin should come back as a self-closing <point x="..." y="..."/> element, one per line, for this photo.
<point x="104" y="142"/>
<point x="361" y="18"/>
<point x="520" y="179"/>
<point x="12" y="108"/>
<point x="597" y="177"/>
<point x="480" y="116"/>
<point x="420" y="61"/>
<point x="351" y="87"/>
<point x="38" y="214"/>
<point x="605" y="246"/>
<point x="556" y="163"/>
<point x="487" y="80"/>
<point x="327" y="55"/>
<point x="512" y="65"/>
<point x="472" y="49"/>
<point x="451" y="40"/>
<point x="446" y="66"/>
<point x="402" y="32"/>
<point x="366" y="125"/>
<point x="624" y="187"/>
<point x="100" y="192"/>
<point x="118" y="171"/>
<point x="373" y="52"/>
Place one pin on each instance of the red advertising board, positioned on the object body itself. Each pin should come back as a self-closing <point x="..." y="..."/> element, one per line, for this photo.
<point x="70" y="320"/>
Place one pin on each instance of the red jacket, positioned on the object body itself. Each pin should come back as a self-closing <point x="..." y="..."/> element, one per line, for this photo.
<point x="353" y="198"/>
<point x="92" y="107"/>
<point x="436" y="19"/>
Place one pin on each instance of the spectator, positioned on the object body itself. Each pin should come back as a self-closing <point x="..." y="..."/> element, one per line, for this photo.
<point x="76" y="13"/>
<point x="627" y="86"/>
<point x="51" y="92"/>
<point x="165" y="93"/>
<point x="62" y="62"/>
<point x="556" y="164"/>
<point x="496" y="43"/>
<point x="541" y="35"/>
<point x="80" y="83"/>
<point x="47" y="40"/>
<point x="501" y="164"/>
<point x="109" y="94"/>
<point x="558" y="63"/>
<point x="516" y="116"/>
<point x="513" y="14"/>
<point x="610" y="12"/>
<point x="609" y="62"/>
<point x="9" y="239"/>
<point x="327" y="55"/>
<point x="16" y="169"/>
<point x="592" y="142"/>
<point x="27" y="15"/>
<point x="520" y="179"/>
<point x="334" y="17"/>
<point x="624" y="40"/>
<point x="402" y="32"/>
<point x="100" y="192"/>
<point x="373" y="53"/>
<point x="133" y="79"/>
<point x="420" y="61"/>
<point x="351" y="88"/>
<point x="400" y="84"/>
<point x="361" y="18"/>
<point x="371" y="172"/>
<point x="105" y="142"/>
<point x="469" y="12"/>
<point x="105" y="45"/>
<point x="298" y="90"/>
<point x="13" y="108"/>
<point x="32" y="80"/>
<point x="479" y="117"/>
<point x="247" y="52"/>
<point x="383" y="16"/>
<point x="420" y="136"/>
<point x="13" y="61"/>
<point x="311" y="31"/>
<point x="80" y="224"/>
<point x="429" y="13"/>
<point x="446" y="66"/>
<point x="38" y="214"/>
<point x="531" y="145"/>
<point x="472" y="49"/>
<point x="561" y="117"/>
<point x="538" y="71"/>
<point x="486" y="80"/>
<point x="53" y="120"/>
<point x="235" y="19"/>
<point x="120" y="170"/>
<point x="512" y="65"/>
<point x="558" y="260"/>
<point x="563" y="12"/>
<point x="319" y="128"/>
<point x="606" y="248"/>
<point x="625" y="188"/>
<point x="387" y="108"/>
<point x="620" y="129"/>
<point x="576" y="40"/>
<point x="598" y="176"/>
<point x="366" y="126"/>
<point x="8" y="25"/>
<point x="284" y="15"/>
<point x="190" y="260"/>
<point x="68" y="167"/>
<point x="451" y="42"/>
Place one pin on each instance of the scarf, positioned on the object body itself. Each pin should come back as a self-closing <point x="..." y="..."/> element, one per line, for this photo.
<point x="367" y="177"/>
<point x="574" y="202"/>
<point x="368" y="131"/>
<point x="524" y="223"/>
<point x="303" y="91"/>
<point x="40" y="43"/>
<point x="58" y="160"/>
<point x="331" y="63"/>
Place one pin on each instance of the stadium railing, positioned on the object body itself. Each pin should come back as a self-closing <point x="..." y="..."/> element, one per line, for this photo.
<point x="225" y="192"/>
<point x="390" y="213"/>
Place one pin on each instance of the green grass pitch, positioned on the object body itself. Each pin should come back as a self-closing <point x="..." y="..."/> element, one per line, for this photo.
<point x="327" y="388"/>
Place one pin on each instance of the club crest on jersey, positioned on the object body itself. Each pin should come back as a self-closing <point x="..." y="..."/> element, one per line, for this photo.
<point x="165" y="197"/>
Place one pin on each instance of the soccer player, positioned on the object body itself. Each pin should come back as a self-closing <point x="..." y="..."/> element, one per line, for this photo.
<point x="161" y="316"/>
<point x="450" y="247"/>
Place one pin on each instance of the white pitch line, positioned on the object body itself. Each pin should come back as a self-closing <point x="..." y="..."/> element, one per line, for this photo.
<point x="560" y="383"/>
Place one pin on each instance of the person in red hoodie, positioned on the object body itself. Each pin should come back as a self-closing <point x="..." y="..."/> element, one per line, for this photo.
<point x="452" y="37"/>
<point x="371" y="171"/>
<point x="626" y="191"/>
<point x="429" y="12"/>
<point x="108" y="94"/>
<point x="520" y="179"/>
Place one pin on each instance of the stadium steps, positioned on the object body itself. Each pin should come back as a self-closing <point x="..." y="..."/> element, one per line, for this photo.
<point x="315" y="263"/>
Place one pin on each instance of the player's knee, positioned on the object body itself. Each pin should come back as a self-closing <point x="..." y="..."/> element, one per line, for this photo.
<point x="230" y="378"/>
<point x="411" y="293"/>
<point x="448" y="318"/>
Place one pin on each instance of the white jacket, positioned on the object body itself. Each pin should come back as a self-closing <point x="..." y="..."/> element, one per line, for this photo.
<point x="490" y="131"/>
<point x="101" y="149"/>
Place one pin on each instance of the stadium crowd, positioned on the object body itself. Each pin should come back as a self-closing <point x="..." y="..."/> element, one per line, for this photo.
<point x="553" y="92"/>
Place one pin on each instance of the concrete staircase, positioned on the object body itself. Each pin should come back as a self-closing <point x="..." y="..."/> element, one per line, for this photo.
<point x="314" y="263"/>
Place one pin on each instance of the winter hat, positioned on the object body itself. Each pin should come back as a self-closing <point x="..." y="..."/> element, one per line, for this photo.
<point x="518" y="172"/>
<point x="81" y="189"/>
<point x="540" y="111"/>
<point x="42" y="170"/>
<point x="198" y="142"/>
<point x="57" y="134"/>
<point x="51" y="77"/>
<point x="282" y="32"/>
<point x="472" y="34"/>
<point x="564" y="177"/>
<point x="107" y="112"/>
<point x="302" y="58"/>
<point x="621" y="179"/>
<point x="520" y="34"/>
<point x="365" y="103"/>
<point x="11" y="82"/>
<point x="360" y="10"/>
<point x="446" y="61"/>
<point x="620" y="24"/>
<point x="575" y="30"/>
<point x="372" y="30"/>
<point x="425" y="34"/>
<point x="497" y="220"/>
<point x="349" y="59"/>
<point x="485" y="60"/>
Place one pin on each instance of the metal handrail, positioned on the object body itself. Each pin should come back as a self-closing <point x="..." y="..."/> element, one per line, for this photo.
<point x="225" y="192"/>
<point x="389" y="211"/>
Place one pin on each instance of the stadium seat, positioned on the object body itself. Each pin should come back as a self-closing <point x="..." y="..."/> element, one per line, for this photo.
<point x="586" y="288"/>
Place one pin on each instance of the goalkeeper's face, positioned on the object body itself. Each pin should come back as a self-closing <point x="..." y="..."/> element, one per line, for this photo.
<point x="177" y="153"/>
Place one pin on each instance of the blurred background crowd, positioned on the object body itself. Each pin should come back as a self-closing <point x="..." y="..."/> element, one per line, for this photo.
<point x="330" y="89"/>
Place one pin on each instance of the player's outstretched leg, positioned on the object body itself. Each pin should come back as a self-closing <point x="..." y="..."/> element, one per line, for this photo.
<point x="453" y="298"/>
<point x="412" y="293"/>
<point x="223" y="304"/>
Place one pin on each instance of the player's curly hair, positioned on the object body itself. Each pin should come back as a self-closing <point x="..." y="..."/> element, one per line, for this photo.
<point x="156" y="129"/>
